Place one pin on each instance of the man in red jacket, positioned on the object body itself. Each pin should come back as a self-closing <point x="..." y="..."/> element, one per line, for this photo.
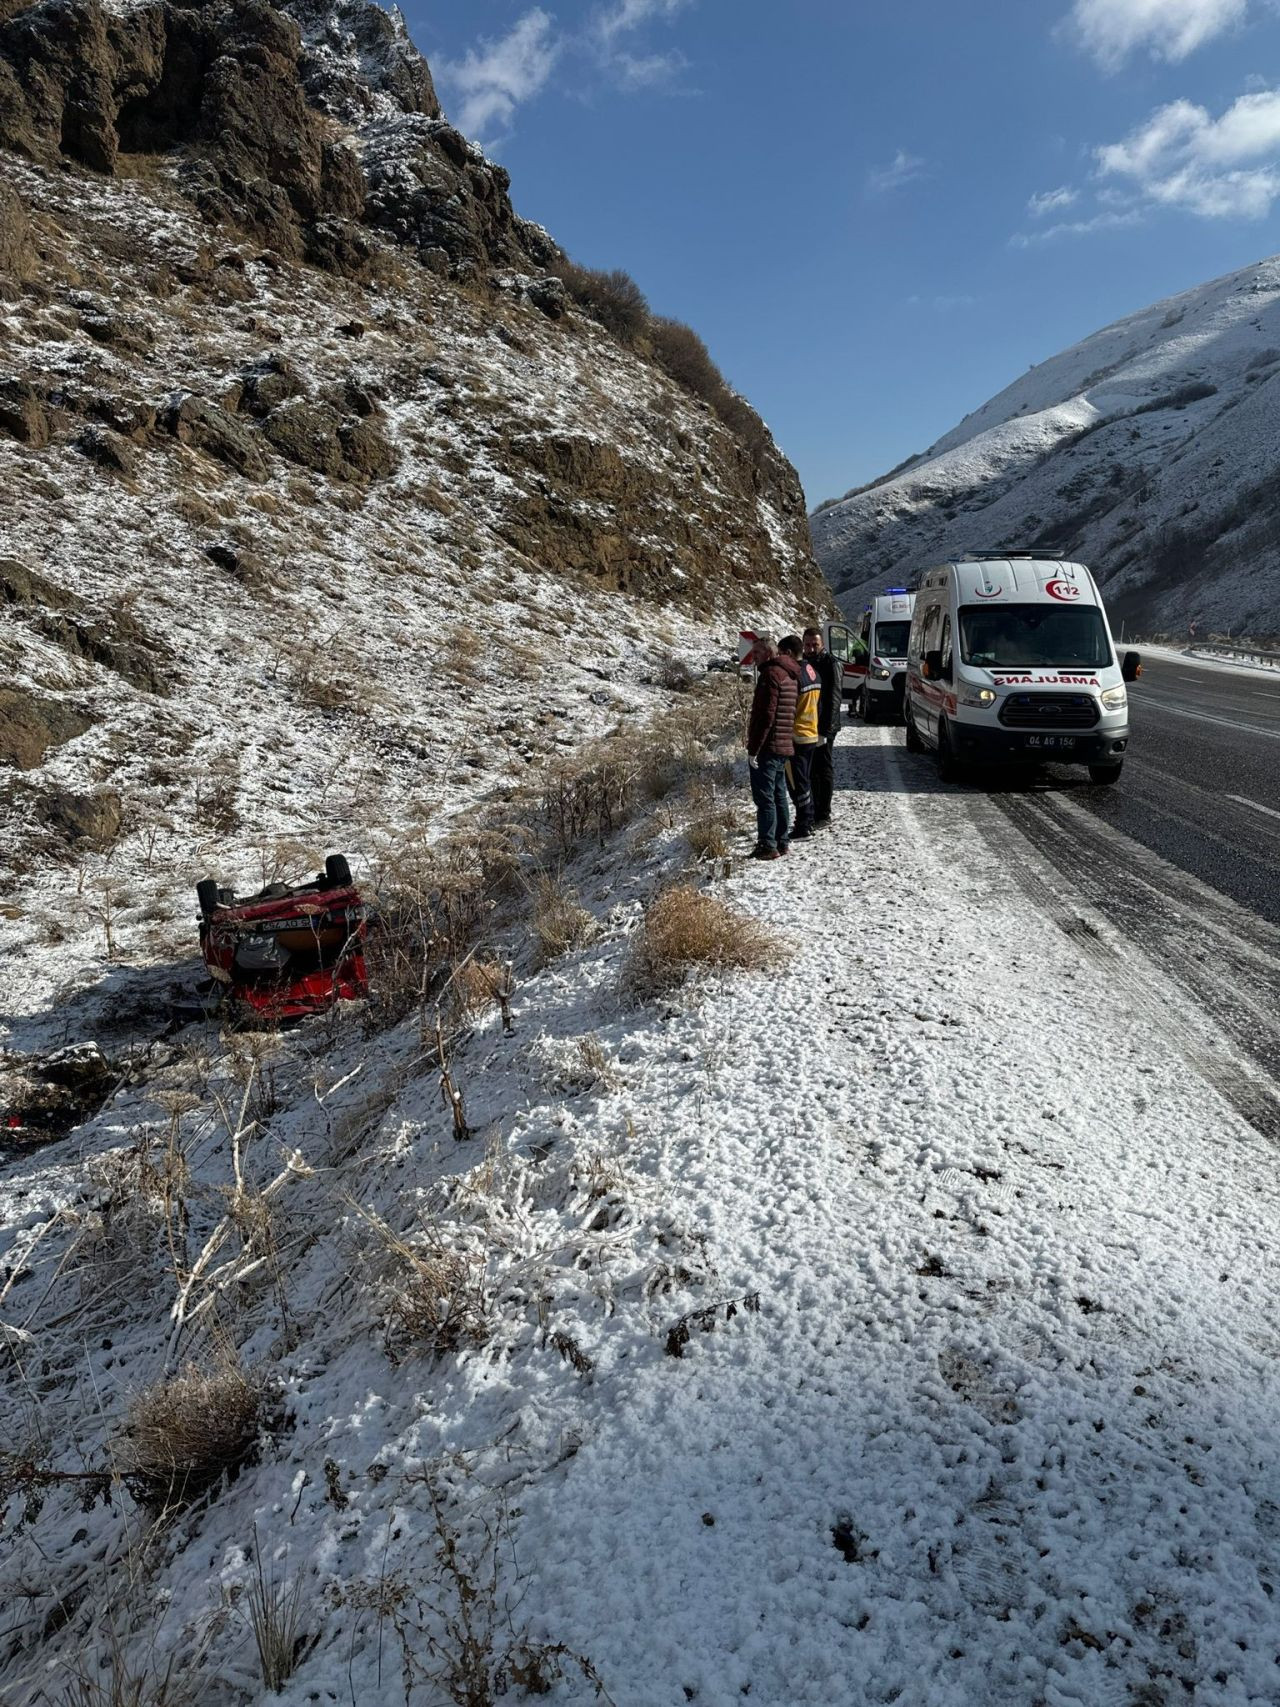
<point x="770" y="744"/>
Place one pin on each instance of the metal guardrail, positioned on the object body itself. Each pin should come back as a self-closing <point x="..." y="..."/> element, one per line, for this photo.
<point x="1241" y="654"/>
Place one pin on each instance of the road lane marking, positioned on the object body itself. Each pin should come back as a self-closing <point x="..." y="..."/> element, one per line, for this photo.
<point x="1257" y="805"/>
<point x="1208" y="717"/>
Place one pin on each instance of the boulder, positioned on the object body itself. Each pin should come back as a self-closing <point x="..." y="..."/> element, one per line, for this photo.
<point x="366" y="449"/>
<point x="108" y="450"/>
<point x="31" y="724"/>
<point x="94" y="819"/>
<point x="17" y="261"/>
<point x="208" y="428"/>
<point x="24" y="414"/>
<point x="307" y="433"/>
<point x="270" y="382"/>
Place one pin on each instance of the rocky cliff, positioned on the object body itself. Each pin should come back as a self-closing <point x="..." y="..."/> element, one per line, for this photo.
<point x="326" y="503"/>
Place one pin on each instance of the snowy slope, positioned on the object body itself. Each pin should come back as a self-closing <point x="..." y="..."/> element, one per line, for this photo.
<point x="1002" y="1428"/>
<point x="1151" y="450"/>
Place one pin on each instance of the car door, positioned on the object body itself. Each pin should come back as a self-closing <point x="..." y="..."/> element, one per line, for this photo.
<point x="844" y="645"/>
<point x="929" y="700"/>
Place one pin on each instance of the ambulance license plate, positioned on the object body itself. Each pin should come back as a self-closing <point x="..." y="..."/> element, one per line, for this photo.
<point x="1051" y="740"/>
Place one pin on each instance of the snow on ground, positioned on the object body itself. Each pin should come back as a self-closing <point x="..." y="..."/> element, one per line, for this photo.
<point x="1002" y="1430"/>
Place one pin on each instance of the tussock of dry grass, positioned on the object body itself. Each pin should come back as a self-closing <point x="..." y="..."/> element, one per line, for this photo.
<point x="709" y="832"/>
<point x="435" y="1297"/>
<point x="478" y="985"/>
<point x="558" y="921"/>
<point x="183" y="1435"/>
<point x="685" y="930"/>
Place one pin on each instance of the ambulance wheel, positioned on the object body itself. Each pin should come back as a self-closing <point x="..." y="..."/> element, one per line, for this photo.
<point x="914" y="743"/>
<point x="1106" y="773"/>
<point x="338" y="871"/>
<point x="207" y="895"/>
<point x="948" y="764"/>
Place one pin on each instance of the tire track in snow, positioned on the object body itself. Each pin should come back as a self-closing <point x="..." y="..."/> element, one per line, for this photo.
<point x="1149" y="924"/>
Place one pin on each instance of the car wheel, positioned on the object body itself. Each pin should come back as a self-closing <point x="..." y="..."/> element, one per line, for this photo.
<point x="1105" y="773"/>
<point x="338" y="871"/>
<point x="948" y="764"/>
<point x="207" y="895"/>
<point x="914" y="743"/>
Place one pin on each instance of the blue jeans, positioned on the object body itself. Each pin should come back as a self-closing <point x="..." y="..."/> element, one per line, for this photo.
<point x="769" y="791"/>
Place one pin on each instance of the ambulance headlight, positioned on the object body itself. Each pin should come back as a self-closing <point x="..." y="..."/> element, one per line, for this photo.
<point x="880" y="673"/>
<point x="982" y="697"/>
<point x="1114" y="699"/>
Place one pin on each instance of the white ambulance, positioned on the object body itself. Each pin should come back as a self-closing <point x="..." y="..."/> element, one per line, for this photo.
<point x="1010" y="658"/>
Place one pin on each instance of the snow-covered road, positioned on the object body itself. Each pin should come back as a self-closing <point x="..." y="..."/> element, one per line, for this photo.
<point x="1005" y="1428"/>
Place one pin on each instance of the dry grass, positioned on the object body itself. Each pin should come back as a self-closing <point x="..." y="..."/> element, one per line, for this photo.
<point x="686" y="930"/>
<point x="479" y="985"/>
<point x="185" y="1434"/>
<point x="709" y="832"/>
<point x="275" y="1617"/>
<point x="435" y="1297"/>
<point x="558" y="920"/>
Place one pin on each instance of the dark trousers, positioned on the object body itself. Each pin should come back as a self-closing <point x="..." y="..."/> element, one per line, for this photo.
<point x="822" y="779"/>
<point x="769" y="791"/>
<point x="799" y="770"/>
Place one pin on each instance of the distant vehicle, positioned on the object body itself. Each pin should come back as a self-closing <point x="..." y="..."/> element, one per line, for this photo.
<point x="885" y="628"/>
<point x="291" y="949"/>
<point x="1010" y="658"/>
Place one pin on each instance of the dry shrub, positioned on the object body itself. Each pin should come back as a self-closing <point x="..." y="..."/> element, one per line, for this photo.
<point x="434" y="1297"/>
<point x="431" y="903"/>
<point x="613" y="299"/>
<point x="478" y="985"/>
<point x="708" y="833"/>
<point x="676" y="675"/>
<point x="559" y="921"/>
<point x="684" y="930"/>
<point x="683" y="356"/>
<point x="187" y="1433"/>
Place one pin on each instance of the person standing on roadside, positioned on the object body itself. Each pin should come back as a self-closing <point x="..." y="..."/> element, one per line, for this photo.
<point x="770" y="743"/>
<point x="830" y="713"/>
<point x="805" y="738"/>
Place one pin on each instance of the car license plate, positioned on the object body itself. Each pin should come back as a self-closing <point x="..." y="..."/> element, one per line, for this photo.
<point x="1051" y="740"/>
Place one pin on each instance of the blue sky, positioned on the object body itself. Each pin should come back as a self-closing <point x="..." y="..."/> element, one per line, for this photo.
<point x="879" y="215"/>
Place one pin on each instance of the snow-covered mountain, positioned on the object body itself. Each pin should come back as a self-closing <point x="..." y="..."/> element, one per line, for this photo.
<point x="1151" y="451"/>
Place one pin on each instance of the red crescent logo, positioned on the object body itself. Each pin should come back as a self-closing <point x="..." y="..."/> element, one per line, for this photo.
<point x="979" y="594"/>
<point x="1065" y="590"/>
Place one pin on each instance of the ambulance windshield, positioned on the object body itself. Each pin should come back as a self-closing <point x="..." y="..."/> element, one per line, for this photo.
<point x="1021" y="637"/>
<point x="891" y="639"/>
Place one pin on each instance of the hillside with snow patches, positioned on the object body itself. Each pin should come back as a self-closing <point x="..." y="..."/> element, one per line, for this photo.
<point x="1150" y="451"/>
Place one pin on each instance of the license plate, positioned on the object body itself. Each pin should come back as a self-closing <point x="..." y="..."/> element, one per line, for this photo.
<point x="1051" y="740"/>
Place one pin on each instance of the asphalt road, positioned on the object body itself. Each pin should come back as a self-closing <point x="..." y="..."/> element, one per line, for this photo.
<point x="1181" y="859"/>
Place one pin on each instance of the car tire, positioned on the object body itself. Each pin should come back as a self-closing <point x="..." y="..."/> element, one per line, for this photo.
<point x="207" y="895"/>
<point x="914" y="743"/>
<point x="338" y="871"/>
<point x="1106" y="773"/>
<point x="948" y="764"/>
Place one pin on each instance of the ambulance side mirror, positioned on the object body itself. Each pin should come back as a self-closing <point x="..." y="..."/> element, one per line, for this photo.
<point x="1131" y="667"/>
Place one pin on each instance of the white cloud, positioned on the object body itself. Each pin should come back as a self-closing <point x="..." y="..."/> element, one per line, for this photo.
<point x="627" y="15"/>
<point x="1052" y="201"/>
<point x="497" y="76"/>
<point x="1223" y="168"/>
<point x="1111" y="220"/>
<point x="1112" y="30"/>
<point x="902" y="169"/>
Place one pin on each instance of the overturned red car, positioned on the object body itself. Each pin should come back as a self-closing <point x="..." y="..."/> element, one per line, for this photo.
<point x="291" y="949"/>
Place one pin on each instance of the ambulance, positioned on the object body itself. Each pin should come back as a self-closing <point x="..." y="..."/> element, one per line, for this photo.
<point x="1010" y="659"/>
